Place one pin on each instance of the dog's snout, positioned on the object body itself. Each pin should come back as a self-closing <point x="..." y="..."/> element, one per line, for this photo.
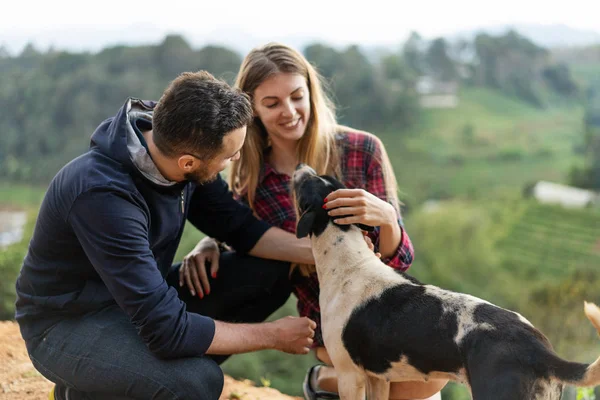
<point x="302" y="170"/>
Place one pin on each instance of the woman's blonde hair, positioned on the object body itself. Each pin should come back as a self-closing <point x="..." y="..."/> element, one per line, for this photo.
<point x="317" y="147"/>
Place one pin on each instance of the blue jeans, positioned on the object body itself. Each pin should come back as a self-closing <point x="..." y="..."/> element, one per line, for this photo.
<point x="100" y="356"/>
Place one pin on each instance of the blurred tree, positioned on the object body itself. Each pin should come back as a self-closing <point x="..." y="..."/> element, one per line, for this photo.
<point x="368" y="96"/>
<point x="439" y="63"/>
<point x="396" y="69"/>
<point x="556" y="307"/>
<point x="30" y="57"/>
<point x="510" y="63"/>
<point x="413" y="53"/>
<point x="559" y="78"/>
<point x="173" y="56"/>
<point x="51" y="102"/>
<point x="326" y="59"/>
<point x="4" y="53"/>
<point x="219" y="61"/>
<point x="588" y="176"/>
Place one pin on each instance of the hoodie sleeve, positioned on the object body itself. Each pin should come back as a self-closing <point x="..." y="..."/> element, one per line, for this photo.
<point x="214" y="211"/>
<point x="112" y="230"/>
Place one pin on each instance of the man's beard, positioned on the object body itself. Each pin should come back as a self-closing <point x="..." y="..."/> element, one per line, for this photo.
<point x="200" y="177"/>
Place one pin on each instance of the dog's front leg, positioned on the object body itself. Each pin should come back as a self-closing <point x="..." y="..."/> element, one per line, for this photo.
<point x="351" y="385"/>
<point x="377" y="389"/>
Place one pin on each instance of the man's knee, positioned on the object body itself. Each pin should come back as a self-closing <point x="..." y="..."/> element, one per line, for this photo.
<point x="200" y="378"/>
<point x="272" y="276"/>
<point x="281" y="288"/>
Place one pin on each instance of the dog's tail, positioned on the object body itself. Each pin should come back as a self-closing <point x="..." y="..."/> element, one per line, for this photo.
<point x="575" y="373"/>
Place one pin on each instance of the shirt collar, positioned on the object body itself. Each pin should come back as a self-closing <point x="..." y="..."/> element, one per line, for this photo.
<point x="266" y="171"/>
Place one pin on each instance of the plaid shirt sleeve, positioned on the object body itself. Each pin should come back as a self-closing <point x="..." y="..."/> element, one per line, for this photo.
<point x="306" y="290"/>
<point x="367" y="152"/>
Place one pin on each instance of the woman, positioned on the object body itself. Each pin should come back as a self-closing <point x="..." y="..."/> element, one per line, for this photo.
<point x="295" y="122"/>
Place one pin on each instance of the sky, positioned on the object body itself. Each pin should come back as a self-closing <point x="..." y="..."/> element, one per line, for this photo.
<point x="82" y="25"/>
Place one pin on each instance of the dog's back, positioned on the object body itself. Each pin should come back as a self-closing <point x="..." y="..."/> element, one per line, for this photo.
<point x="392" y="326"/>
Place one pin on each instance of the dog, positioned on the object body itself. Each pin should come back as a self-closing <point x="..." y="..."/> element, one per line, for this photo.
<point x="381" y="325"/>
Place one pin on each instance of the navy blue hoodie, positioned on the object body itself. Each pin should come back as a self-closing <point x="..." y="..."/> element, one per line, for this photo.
<point x="107" y="232"/>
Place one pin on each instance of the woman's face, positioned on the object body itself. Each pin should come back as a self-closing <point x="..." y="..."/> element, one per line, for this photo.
<point x="282" y="102"/>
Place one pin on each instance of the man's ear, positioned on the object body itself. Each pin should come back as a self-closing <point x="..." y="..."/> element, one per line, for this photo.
<point x="188" y="163"/>
<point x="366" y="228"/>
<point x="305" y="224"/>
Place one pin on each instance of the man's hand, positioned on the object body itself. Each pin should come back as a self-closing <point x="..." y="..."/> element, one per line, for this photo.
<point x="293" y="335"/>
<point x="193" y="268"/>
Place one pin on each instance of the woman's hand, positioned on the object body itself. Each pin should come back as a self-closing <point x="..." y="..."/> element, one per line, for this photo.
<point x="193" y="268"/>
<point x="370" y="243"/>
<point x="359" y="207"/>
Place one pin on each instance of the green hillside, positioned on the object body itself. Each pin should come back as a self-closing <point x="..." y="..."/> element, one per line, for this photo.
<point x="489" y="143"/>
<point x="586" y="72"/>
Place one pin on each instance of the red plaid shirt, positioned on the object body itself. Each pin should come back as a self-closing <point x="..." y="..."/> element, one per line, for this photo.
<point x="360" y="168"/>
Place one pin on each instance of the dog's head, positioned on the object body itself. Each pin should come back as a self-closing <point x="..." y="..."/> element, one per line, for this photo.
<point x="309" y="192"/>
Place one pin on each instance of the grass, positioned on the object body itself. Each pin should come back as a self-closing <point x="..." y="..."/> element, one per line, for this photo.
<point x="191" y="236"/>
<point x="285" y="372"/>
<point x="16" y="195"/>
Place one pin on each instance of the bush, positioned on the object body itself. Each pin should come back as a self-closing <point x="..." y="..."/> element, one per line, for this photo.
<point x="11" y="260"/>
<point x="468" y="134"/>
<point x="510" y="154"/>
<point x="556" y="308"/>
<point x="454" y="249"/>
<point x="580" y="177"/>
<point x="544" y="152"/>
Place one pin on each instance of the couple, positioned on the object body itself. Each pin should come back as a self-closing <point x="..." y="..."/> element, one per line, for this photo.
<point x="105" y="314"/>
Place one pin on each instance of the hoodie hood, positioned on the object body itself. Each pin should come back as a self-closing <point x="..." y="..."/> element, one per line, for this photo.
<point x="120" y="139"/>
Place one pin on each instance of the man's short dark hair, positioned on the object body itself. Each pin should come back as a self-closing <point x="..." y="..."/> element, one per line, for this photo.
<point x="195" y="112"/>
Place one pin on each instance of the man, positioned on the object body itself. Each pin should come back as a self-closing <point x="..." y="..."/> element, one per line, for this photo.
<point x="97" y="297"/>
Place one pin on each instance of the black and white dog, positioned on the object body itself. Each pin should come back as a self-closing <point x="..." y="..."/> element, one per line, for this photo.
<point x="380" y="325"/>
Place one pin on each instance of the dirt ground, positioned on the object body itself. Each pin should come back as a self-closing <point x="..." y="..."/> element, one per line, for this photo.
<point x="19" y="380"/>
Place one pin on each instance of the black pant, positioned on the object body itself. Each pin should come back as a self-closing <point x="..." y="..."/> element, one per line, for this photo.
<point x="247" y="289"/>
<point x="100" y="355"/>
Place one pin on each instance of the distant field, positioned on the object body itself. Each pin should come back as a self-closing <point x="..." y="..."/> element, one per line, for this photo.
<point x="489" y="142"/>
<point x="547" y="242"/>
<point x="585" y="72"/>
<point x="14" y="195"/>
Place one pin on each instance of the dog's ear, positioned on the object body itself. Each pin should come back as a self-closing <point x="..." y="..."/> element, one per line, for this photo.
<point x="334" y="182"/>
<point x="366" y="228"/>
<point x="305" y="224"/>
